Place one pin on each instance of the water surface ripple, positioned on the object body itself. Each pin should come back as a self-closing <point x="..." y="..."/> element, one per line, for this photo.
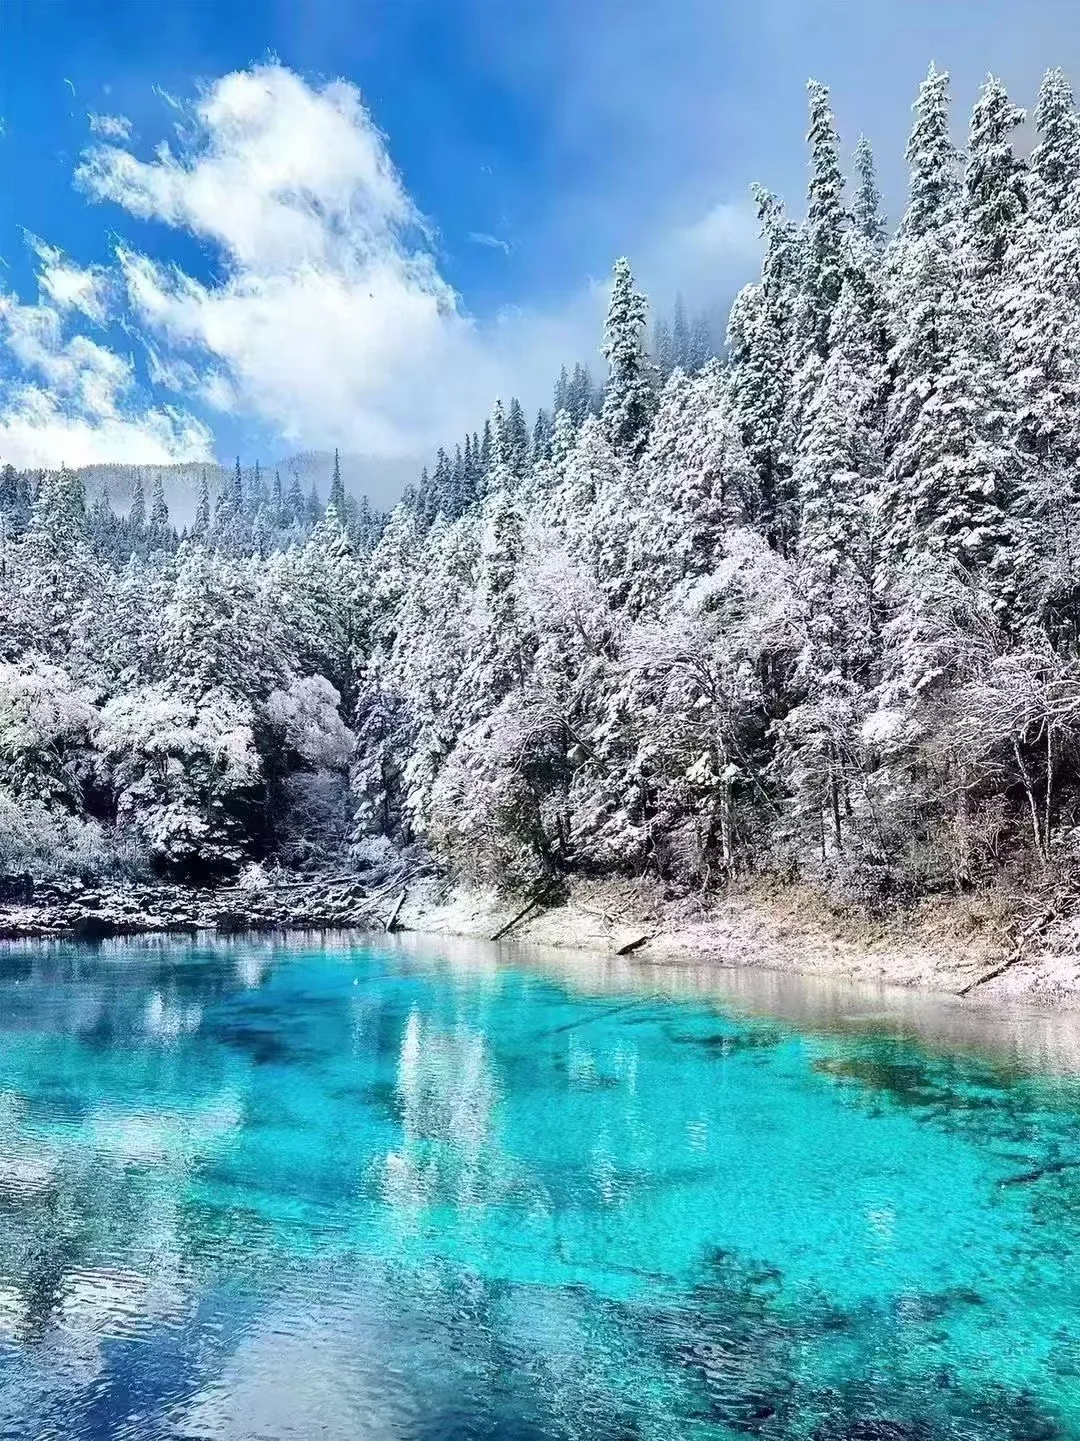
<point x="341" y="1189"/>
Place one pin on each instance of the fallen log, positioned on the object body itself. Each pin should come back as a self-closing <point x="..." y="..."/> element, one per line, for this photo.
<point x="598" y="1016"/>
<point x="515" y="920"/>
<point x="391" y="919"/>
<point x="1010" y="961"/>
<point x="634" y="945"/>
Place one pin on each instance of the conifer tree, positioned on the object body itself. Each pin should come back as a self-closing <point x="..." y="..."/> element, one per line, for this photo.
<point x="313" y="506"/>
<point x="629" y="398"/>
<point x="661" y="348"/>
<point x="866" y="205"/>
<point x="295" y="504"/>
<point x="258" y="499"/>
<point x="337" y="498"/>
<point x="137" y="508"/>
<point x="517" y="437"/>
<point x="201" y="524"/>
<point x="680" y="336"/>
<point x="933" y="182"/>
<point x="561" y="398"/>
<point x="995" y="188"/>
<point x="1055" y="156"/>
<point x="825" y="221"/>
<point x="701" y="347"/>
<point x="760" y="330"/>
<point x="541" y="437"/>
<point x="581" y="396"/>
<point x="159" y="510"/>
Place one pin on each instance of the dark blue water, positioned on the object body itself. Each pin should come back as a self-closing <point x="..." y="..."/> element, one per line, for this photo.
<point x="327" y="1190"/>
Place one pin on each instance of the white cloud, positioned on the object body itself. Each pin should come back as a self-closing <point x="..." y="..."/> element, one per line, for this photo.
<point x="332" y="322"/>
<point x="70" y="286"/>
<point x="279" y="174"/>
<point x="72" y="401"/>
<point x="329" y="321"/>
<point x="110" y="127"/>
<point x="706" y="259"/>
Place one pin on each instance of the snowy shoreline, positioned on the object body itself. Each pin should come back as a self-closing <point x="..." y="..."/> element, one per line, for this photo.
<point x="785" y="929"/>
<point x="87" y="913"/>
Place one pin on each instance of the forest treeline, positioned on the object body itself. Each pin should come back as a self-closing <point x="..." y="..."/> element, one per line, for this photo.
<point x="810" y="607"/>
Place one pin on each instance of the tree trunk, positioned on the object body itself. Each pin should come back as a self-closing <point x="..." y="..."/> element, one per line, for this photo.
<point x="1048" y="807"/>
<point x="1029" y="791"/>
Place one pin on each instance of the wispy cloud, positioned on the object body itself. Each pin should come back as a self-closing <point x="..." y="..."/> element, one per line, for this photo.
<point x="481" y="237"/>
<point x="73" y="401"/>
<point x="110" y="127"/>
<point x="69" y="286"/>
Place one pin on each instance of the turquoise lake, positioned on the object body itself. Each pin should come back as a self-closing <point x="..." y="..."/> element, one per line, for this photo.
<point x="337" y="1188"/>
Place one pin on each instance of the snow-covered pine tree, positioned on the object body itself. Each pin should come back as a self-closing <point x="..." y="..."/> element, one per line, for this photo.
<point x="826" y="219"/>
<point x="517" y="438"/>
<point x="662" y="349"/>
<point x="760" y="329"/>
<point x="924" y="275"/>
<point x="866" y="202"/>
<point x="629" y="396"/>
<point x="581" y="398"/>
<point x="995" y="181"/>
<point x="701" y="343"/>
<point x="933" y="179"/>
<point x="1054" y="164"/>
<point x="295" y="505"/>
<point x="159" y="511"/>
<point x="201" y="523"/>
<point x="337" y="497"/>
<point x="137" y="509"/>
<point x="236" y="491"/>
<point x="680" y="336"/>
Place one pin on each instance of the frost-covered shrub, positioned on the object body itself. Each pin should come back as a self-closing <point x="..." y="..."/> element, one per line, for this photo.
<point x="186" y="775"/>
<point x="46" y="724"/>
<point x="45" y="843"/>
<point x="316" y="817"/>
<point x="307" y="715"/>
<point x="488" y="816"/>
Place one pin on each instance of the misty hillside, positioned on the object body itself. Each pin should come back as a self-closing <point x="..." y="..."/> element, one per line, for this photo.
<point x="381" y="481"/>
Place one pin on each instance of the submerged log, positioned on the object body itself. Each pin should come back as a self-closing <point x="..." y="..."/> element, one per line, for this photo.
<point x="1052" y="1168"/>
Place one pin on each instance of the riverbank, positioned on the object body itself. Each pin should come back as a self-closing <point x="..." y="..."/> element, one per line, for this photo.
<point x="974" y="945"/>
<point x="987" y="944"/>
<point x="276" y="903"/>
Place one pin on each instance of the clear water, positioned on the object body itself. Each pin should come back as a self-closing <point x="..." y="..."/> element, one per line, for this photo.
<point x="382" y="1191"/>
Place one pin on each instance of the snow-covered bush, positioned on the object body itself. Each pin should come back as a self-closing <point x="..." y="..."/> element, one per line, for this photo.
<point x="185" y="773"/>
<point x="46" y="843"/>
<point x="46" y="724"/>
<point x="307" y="715"/>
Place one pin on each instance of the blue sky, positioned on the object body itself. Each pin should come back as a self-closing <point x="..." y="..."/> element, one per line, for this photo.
<point x="533" y="142"/>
